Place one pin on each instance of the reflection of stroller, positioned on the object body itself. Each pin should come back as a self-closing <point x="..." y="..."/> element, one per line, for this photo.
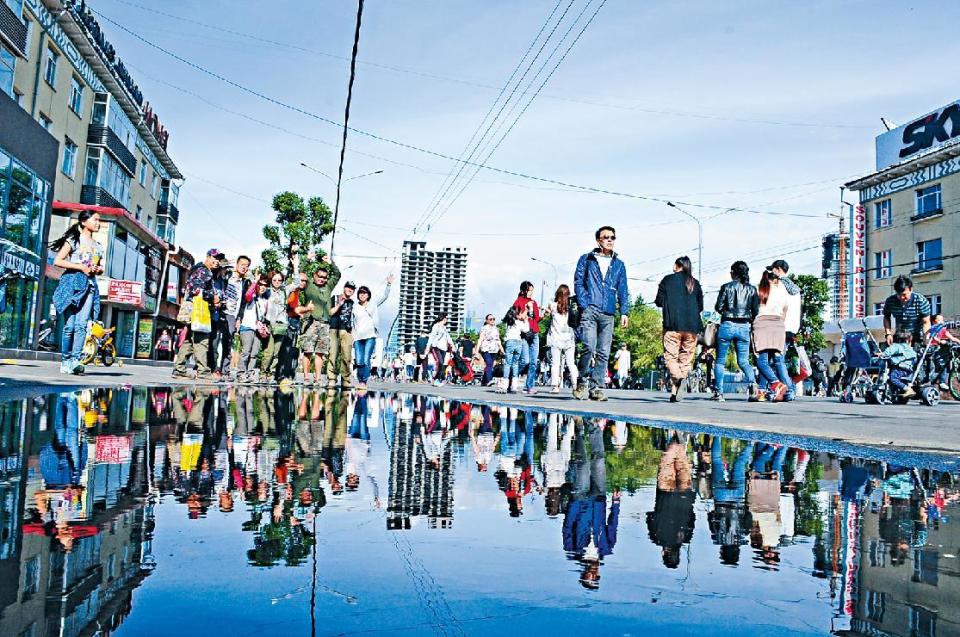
<point x="858" y="352"/>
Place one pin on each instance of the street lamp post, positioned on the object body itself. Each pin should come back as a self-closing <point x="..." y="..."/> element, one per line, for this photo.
<point x="555" y="277"/>
<point x="334" y="181"/>
<point x="699" y="239"/>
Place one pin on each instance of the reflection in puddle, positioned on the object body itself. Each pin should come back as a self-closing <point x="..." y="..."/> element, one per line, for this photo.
<point x="395" y="512"/>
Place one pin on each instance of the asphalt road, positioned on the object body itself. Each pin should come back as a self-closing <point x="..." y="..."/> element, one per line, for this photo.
<point x="912" y="426"/>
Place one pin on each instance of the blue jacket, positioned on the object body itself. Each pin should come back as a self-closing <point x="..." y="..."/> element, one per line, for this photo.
<point x="73" y="289"/>
<point x="601" y="292"/>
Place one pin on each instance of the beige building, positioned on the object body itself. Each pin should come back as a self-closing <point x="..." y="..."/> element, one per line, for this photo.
<point x="909" y="218"/>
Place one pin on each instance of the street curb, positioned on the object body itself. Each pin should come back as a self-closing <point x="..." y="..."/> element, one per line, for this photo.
<point x="10" y="356"/>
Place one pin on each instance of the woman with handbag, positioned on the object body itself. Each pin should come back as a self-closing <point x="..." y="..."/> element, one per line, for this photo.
<point x="276" y="315"/>
<point x="253" y="329"/>
<point x="530" y="346"/>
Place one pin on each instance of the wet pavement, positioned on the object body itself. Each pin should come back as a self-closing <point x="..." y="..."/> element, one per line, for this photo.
<point x="190" y="510"/>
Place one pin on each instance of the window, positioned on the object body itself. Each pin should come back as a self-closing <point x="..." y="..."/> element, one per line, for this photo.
<point x="936" y="303"/>
<point x="143" y="174"/>
<point x="929" y="255"/>
<point x="876" y="605"/>
<point x="46" y="122"/>
<point x="69" y="163"/>
<point x="877" y="309"/>
<point x="50" y="69"/>
<point x="76" y="95"/>
<point x="928" y="201"/>
<point x="882" y="214"/>
<point x="882" y="262"/>
<point x="31" y="576"/>
<point x="139" y="212"/>
<point x="8" y="62"/>
<point x="154" y="183"/>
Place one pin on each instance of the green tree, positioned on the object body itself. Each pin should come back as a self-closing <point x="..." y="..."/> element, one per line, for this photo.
<point x="814" y="294"/>
<point x="297" y="233"/>
<point x="643" y="335"/>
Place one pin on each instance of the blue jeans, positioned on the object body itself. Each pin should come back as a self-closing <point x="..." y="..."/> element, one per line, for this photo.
<point x="771" y="452"/>
<point x="773" y="369"/>
<point x="511" y="361"/>
<point x="75" y="328"/>
<point x="734" y="488"/>
<point x="362" y="353"/>
<point x="530" y="358"/>
<point x="596" y="331"/>
<point x="488" y="367"/>
<point x="737" y="334"/>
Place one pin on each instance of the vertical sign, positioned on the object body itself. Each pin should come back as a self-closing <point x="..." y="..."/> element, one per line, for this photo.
<point x="858" y="262"/>
<point x="145" y="338"/>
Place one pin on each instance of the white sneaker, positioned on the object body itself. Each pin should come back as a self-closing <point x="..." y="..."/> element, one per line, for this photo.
<point x="555" y="389"/>
<point x="66" y="367"/>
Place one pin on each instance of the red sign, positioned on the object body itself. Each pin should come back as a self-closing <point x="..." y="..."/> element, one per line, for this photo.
<point x="113" y="449"/>
<point x="153" y="123"/>
<point x="858" y="262"/>
<point x="128" y="292"/>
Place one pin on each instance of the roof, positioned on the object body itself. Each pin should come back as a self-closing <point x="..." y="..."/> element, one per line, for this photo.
<point x="941" y="153"/>
<point x="105" y="211"/>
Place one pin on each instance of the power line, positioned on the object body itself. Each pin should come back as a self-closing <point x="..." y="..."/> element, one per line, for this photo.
<point x="433" y="153"/>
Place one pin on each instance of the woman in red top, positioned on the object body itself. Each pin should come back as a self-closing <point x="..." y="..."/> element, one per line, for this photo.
<point x="530" y="354"/>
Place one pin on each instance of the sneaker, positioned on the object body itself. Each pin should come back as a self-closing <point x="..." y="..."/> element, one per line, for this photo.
<point x="438" y="383"/>
<point x="555" y="390"/>
<point x="597" y="394"/>
<point x="944" y="387"/>
<point x="66" y="366"/>
<point x="717" y="397"/>
<point x="530" y="391"/>
<point x="580" y="391"/>
<point x="77" y="370"/>
<point x="179" y="374"/>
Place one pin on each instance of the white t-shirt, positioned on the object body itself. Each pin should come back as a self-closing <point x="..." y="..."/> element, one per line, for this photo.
<point x="777" y="302"/>
<point x="604" y="262"/>
<point x="623" y="362"/>
<point x="409" y="358"/>
<point x="514" y="331"/>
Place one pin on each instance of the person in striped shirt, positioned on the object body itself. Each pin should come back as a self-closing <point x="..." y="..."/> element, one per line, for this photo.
<point x="911" y="311"/>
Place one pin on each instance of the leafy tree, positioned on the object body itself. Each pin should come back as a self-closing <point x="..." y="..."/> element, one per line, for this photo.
<point x="297" y="233"/>
<point x="643" y="335"/>
<point x="814" y="294"/>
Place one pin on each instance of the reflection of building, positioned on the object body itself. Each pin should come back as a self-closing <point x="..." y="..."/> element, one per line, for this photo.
<point x="417" y="487"/>
<point x="95" y="144"/>
<point x="431" y="282"/>
<point x="907" y="223"/>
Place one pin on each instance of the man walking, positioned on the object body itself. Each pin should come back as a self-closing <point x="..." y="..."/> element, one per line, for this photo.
<point x="341" y="338"/>
<point x="199" y="282"/>
<point x="315" y="342"/>
<point x="600" y="284"/>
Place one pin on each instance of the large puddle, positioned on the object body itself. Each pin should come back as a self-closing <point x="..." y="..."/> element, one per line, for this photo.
<point x="190" y="512"/>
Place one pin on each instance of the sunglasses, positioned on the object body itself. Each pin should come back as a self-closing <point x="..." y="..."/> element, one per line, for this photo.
<point x="612" y="237"/>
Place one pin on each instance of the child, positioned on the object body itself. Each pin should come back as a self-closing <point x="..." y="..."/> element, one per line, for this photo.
<point x="517" y="324"/>
<point x="902" y="357"/>
<point x="940" y="339"/>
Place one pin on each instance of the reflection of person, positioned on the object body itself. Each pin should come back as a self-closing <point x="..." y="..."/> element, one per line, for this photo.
<point x="589" y="533"/>
<point x="730" y="518"/>
<point x="670" y="524"/>
<point x="555" y="460"/>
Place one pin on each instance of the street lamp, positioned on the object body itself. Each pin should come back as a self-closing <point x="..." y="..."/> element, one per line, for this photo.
<point x="551" y="265"/>
<point x="699" y="239"/>
<point x="334" y="181"/>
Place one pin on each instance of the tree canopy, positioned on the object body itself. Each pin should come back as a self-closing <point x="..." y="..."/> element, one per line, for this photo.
<point x="297" y="233"/>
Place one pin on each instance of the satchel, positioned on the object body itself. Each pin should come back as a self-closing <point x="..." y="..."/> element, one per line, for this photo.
<point x="200" y="321"/>
<point x="186" y="309"/>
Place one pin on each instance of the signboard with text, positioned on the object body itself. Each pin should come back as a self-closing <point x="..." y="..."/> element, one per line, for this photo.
<point x="935" y="129"/>
<point x="858" y="262"/>
<point x="144" y="338"/>
<point x="128" y="292"/>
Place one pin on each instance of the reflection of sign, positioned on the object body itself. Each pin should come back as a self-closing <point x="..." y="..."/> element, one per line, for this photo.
<point x="10" y="260"/>
<point x="144" y="338"/>
<point x="930" y="131"/>
<point x="128" y="292"/>
<point x="138" y="414"/>
<point x="113" y="449"/>
<point x="858" y="262"/>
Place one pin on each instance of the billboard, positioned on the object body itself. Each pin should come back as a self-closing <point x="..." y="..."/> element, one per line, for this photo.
<point x="935" y="129"/>
<point x="858" y="261"/>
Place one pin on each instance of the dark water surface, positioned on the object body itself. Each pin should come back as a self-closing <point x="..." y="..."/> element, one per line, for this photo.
<point x="194" y="512"/>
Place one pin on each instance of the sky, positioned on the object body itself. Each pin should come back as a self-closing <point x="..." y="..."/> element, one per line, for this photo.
<point x="768" y="106"/>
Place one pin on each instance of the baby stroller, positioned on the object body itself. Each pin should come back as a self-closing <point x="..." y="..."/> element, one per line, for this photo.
<point x="858" y="353"/>
<point x="923" y="382"/>
<point x="462" y="370"/>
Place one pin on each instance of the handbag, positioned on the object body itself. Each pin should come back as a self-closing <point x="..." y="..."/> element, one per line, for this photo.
<point x="200" y="321"/>
<point x="528" y="337"/>
<point x="263" y="330"/>
<point x="804" y="369"/>
<point x="708" y="338"/>
<point x="186" y="309"/>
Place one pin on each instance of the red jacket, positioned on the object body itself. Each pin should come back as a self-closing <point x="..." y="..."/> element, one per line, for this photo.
<point x="521" y="304"/>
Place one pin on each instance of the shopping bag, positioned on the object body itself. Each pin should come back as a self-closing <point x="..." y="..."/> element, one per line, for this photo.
<point x="804" y="369"/>
<point x="200" y="316"/>
<point x="186" y="310"/>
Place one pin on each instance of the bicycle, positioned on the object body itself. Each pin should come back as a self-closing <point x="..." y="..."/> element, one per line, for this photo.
<point x="953" y="375"/>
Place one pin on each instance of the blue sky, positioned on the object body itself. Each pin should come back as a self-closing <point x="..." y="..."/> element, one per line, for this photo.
<point x="765" y="105"/>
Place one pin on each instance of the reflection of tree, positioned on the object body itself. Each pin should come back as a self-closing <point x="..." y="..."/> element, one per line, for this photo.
<point x="809" y="521"/>
<point x="636" y="465"/>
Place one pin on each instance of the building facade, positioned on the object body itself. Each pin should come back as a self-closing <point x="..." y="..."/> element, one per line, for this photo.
<point x="432" y="282"/>
<point x="906" y="222"/>
<point x="110" y="157"/>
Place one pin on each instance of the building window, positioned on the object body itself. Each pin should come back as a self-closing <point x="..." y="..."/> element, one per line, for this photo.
<point x="154" y="184"/>
<point x="928" y="201"/>
<point x="882" y="262"/>
<point x="882" y="214"/>
<point x="139" y="212"/>
<point x="929" y="255"/>
<point x="76" y="95"/>
<point x="143" y="174"/>
<point x="69" y="163"/>
<point x="50" y="69"/>
<point x="936" y="303"/>
<point x="8" y="62"/>
<point x="877" y="309"/>
<point x="46" y="122"/>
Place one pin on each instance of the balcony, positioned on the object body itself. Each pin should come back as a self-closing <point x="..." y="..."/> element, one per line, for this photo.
<point x="12" y="30"/>
<point x="96" y="196"/>
<point x="168" y="210"/>
<point x="103" y="136"/>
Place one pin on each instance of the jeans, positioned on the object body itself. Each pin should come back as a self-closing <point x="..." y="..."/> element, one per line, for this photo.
<point x="409" y="371"/>
<point x="900" y="378"/>
<point x="511" y="361"/>
<point x="225" y="329"/>
<point x="737" y="334"/>
<point x="734" y="487"/>
<point x="772" y="452"/>
<point x="250" y="345"/>
<point x="530" y="358"/>
<point x="596" y="330"/>
<point x="784" y="376"/>
<point x="75" y="328"/>
<point x="341" y="358"/>
<point x="772" y="373"/>
<point x="559" y="357"/>
<point x="363" y="352"/>
<point x="488" y="363"/>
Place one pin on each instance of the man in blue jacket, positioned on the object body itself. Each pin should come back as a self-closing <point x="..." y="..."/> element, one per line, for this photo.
<point x="600" y="284"/>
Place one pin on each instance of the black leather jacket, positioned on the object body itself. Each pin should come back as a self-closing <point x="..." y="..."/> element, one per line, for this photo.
<point x="738" y="302"/>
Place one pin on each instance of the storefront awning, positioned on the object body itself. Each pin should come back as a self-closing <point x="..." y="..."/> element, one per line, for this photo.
<point x="79" y="207"/>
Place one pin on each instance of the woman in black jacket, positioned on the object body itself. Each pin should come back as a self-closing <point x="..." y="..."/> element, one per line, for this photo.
<point x="681" y="298"/>
<point x="737" y="304"/>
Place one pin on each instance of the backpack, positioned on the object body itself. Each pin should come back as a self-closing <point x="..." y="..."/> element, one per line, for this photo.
<point x="574" y="312"/>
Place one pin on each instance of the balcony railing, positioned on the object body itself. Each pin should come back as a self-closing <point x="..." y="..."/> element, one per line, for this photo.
<point x="97" y="196"/>
<point x="103" y="136"/>
<point x="13" y="30"/>
<point x="927" y="214"/>
<point x="168" y="210"/>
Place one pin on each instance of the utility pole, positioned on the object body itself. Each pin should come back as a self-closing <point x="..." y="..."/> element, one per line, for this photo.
<point x="699" y="239"/>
